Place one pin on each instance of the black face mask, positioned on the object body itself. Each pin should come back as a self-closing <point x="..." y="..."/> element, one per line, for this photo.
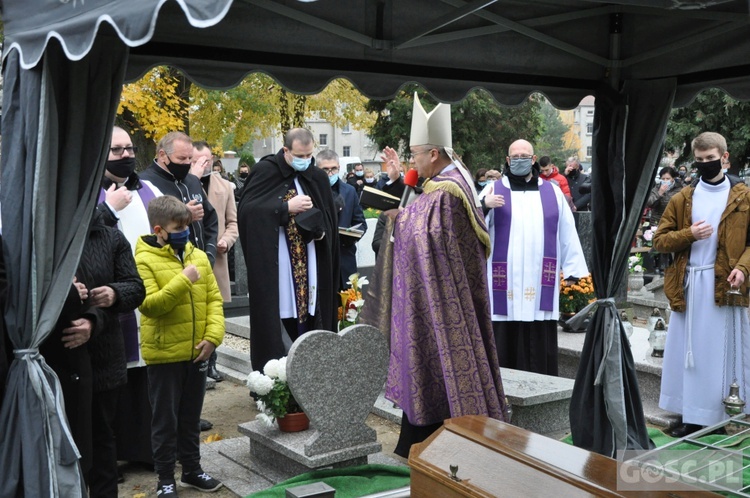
<point x="244" y="175"/>
<point x="709" y="169"/>
<point x="121" y="168"/>
<point x="179" y="171"/>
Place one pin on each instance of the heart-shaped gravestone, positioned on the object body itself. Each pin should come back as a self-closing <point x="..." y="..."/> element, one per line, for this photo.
<point x="336" y="378"/>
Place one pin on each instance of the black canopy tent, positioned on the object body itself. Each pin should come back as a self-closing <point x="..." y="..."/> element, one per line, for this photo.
<point x="65" y="62"/>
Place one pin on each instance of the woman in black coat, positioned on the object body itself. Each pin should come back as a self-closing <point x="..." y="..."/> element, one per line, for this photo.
<point x="92" y="370"/>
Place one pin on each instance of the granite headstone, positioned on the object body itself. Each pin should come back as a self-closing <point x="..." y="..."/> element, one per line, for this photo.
<point x="336" y="378"/>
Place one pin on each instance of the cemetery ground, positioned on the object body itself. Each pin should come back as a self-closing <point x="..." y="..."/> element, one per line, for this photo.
<point x="227" y="406"/>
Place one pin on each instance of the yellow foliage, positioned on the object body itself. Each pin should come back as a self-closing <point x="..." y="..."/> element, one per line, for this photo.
<point x="212" y="438"/>
<point x="259" y="107"/>
<point x="154" y="102"/>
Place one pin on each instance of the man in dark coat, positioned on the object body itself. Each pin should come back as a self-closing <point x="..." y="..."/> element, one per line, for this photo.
<point x="576" y="178"/>
<point x="289" y="235"/>
<point x="357" y="178"/>
<point x="350" y="213"/>
<point x="169" y="173"/>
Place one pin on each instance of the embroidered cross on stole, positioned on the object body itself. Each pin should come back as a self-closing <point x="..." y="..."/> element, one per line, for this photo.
<point x="298" y="257"/>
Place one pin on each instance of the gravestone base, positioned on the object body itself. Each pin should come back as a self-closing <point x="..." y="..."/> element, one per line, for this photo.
<point x="285" y="451"/>
<point x="540" y="402"/>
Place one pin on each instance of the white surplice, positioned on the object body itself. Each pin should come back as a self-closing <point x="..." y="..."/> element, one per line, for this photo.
<point x="526" y="249"/>
<point x="132" y="220"/>
<point x="699" y="354"/>
<point x="287" y="298"/>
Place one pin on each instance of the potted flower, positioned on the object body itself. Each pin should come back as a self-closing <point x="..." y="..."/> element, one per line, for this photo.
<point x="351" y="301"/>
<point x="574" y="296"/>
<point x="274" y="399"/>
<point x="648" y="234"/>
<point x="635" y="263"/>
<point x="635" y="268"/>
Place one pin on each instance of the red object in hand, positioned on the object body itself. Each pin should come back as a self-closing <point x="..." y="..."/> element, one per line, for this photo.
<point x="411" y="178"/>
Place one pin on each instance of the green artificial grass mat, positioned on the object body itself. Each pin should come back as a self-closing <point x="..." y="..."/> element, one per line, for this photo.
<point x="657" y="436"/>
<point x="736" y="443"/>
<point x="349" y="482"/>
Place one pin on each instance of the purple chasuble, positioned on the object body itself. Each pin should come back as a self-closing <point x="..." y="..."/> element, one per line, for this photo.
<point x="443" y="360"/>
<point x="501" y="243"/>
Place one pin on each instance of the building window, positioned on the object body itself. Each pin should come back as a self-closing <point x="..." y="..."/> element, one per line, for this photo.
<point x="589" y="149"/>
<point x="589" y="128"/>
<point x="323" y="139"/>
<point x="590" y="112"/>
<point x="346" y="129"/>
<point x="347" y="151"/>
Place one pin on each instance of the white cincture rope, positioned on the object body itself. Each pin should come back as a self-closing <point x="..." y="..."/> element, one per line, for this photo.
<point x="689" y="300"/>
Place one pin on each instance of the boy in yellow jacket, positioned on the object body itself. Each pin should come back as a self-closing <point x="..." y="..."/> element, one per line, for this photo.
<point x="182" y="323"/>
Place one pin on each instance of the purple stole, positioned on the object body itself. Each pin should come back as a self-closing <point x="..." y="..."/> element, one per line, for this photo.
<point x="147" y="195"/>
<point x="128" y="323"/>
<point x="502" y="242"/>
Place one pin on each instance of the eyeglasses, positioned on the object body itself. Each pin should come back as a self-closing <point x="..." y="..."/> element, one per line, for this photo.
<point x="117" y="151"/>
<point x="330" y="171"/>
<point x="522" y="156"/>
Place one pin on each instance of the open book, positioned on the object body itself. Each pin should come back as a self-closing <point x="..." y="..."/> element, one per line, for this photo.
<point x="375" y="198"/>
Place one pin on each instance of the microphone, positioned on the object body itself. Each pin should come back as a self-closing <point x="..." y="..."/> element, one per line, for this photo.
<point x="410" y="181"/>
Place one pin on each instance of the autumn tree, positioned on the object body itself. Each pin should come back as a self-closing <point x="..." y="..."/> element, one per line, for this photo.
<point x="259" y="107"/>
<point x="482" y="129"/>
<point x="711" y="110"/>
<point x="152" y="107"/>
<point x="554" y="140"/>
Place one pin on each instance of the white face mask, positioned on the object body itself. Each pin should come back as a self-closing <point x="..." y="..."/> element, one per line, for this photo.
<point x="370" y="180"/>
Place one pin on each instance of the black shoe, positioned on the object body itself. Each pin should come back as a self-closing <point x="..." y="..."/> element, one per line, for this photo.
<point x="685" y="430"/>
<point x="206" y="425"/>
<point x="201" y="481"/>
<point x="215" y="374"/>
<point x="166" y="488"/>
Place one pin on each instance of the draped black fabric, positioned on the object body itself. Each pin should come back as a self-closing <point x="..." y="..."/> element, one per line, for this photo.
<point x="606" y="413"/>
<point x="57" y="121"/>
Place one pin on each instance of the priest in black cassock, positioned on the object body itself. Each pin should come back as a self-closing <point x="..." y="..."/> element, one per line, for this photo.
<point x="289" y="234"/>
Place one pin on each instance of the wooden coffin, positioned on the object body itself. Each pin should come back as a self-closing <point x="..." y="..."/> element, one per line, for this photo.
<point x="499" y="459"/>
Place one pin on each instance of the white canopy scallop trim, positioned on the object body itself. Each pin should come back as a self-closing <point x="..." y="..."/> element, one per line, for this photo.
<point x="35" y="52"/>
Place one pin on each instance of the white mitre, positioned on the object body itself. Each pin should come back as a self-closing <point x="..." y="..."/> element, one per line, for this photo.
<point x="435" y="129"/>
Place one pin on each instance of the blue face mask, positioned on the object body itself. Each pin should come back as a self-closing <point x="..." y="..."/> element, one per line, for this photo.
<point x="333" y="179"/>
<point x="520" y="166"/>
<point x="178" y="239"/>
<point x="483" y="184"/>
<point x="359" y="173"/>
<point x="300" y="164"/>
